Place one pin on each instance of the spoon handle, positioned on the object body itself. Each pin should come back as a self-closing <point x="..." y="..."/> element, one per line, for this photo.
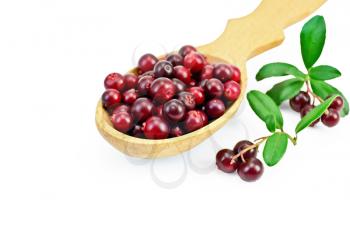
<point x="246" y="37"/>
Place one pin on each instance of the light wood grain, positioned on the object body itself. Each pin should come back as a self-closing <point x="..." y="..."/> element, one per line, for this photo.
<point x="242" y="39"/>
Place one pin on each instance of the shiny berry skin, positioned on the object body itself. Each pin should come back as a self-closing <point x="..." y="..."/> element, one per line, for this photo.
<point x="156" y="128"/>
<point x="122" y="121"/>
<point x="202" y="83"/>
<point x="158" y="111"/>
<point x="223" y="72"/>
<point x="176" y="131"/>
<point x="215" y="108"/>
<point x="236" y="74"/>
<point x="194" y="61"/>
<point x="121" y="108"/>
<point x="207" y="72"/>
<point x="144" y="84"/>
<point x="162" y="90"/>
<point x="193" y="120"/>
<point x="147" y="62"/>
<point x="337" y="104"/>
<point x="130" y="96"/>
<point x="204" y="117"/>
<point x="185" y="50"/>
<point x="232" y="90"/>
<point x="223" y="161"/>
<point x="115" y="81"/>
<point x="305" y="110"/>
<point x="251" y="170"/>
<point x="183" y="74"/>
<point x="214" y="88"/>
<point x="130" y="81"/>
<point x="137" y="131"/>
<point x="198" y="94"/>
<point x="187" y="99"/>
<point x="299" y="101"/>
<point x="180" y="86"/>
<point x="148" y="73"/>
<point x="192" y="83"/>
<point x="243" y="144"/>
<point x="163" y="69"/>
<point x="174" y="110"/>
<point x="111" y="98"/>
<point x="142" y="109"/>
<point x="330" y="118"/>
<point x="175" y="59"/>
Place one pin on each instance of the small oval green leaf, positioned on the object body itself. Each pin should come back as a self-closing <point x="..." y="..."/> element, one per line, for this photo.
<point x="312" y="39"/>
<point x="285" y="90"/>
<point x="324" y="72"/>
<point x="324" y="90"/>
<point x="264" y="107"/>
<point x="314" y="114"/>
<point x="271" y="123"/>
<point x="278" y="69"/>
<point x="275" y="147"/>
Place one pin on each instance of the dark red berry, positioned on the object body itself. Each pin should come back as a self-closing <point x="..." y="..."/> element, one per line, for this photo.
<point x="198" y="94"/>
<point x="214" y="88"/>
<point x="174" y="110"/>
<point x="115" y="81"/>
<point x="175" y="59"/>
<point x="204" y="117"/>
<point x="337" y="104"/>
<point x="193" y="120"/>
<point x="236" y="74"/>
<point x="330" y="118"/>
<point x="232" y="90"/>
<point x="215" y="108"/>
<point x="122" y="121"/>
<point x="142" y="109"/>
<point x="188" y="99"/>
<point x="162" y="90"/>
<point x="180" y="86"/>
<point x="251" y="170"/>
<point x="183" y="74"/>
<point x="156" y="128"/>
<point x="130" y="81"/>
<point x="305" y="110"/>
<point x="223" y="72"/>
<point x="111" y="98"/>
<point x="185" y="50"/>
<point x="242" y="145"/>
<point x="176" y="131"/>
<point x="194" y="61"/>
<point x="207" y="72"/>
<point x="121" y="108"/>
<point x="223" y="161"/>
<point x="163" y="69"/>
<point x="144" y="85"/>
<point x="147" y="62"/>
<point x="299" y="101"/>
<point x="130" y="96"/>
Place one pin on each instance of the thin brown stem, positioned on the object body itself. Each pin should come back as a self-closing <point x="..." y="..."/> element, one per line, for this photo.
<point x="256" y="145"/>
<point x="312" y="93"/>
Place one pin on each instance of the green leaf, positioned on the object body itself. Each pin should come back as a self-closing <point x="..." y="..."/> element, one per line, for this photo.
<point x="278" y="69"/>
<point x="314" y="114"/>
<point x="264" y="107"/>
<point x="325" y="90"/>
<point x="312" y="39"/>
<point x="275" y="147"/>
<point x="285" y="90"/>
<point x="324" y="72"/>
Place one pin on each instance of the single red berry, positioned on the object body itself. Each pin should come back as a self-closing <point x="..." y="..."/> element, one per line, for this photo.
<point x="251" y="170"/>
<point x="242" y="145"/>
<point x="142" y="109"/>
<point x="144" y="85"/>
<point x="130" y="81"/>
<point x="232" y="90"/>
<point x="330" y="118"/>
<point x="111" y="98"/>
<point x="130" y="96"/>
<point x="175" y="59"/>
<point x="236" y="74"/>
<point x="215" y="108"/>
<point x="194" y="61"/>
<point x="147" y="62"/>
<point x="162" y="90"/>
<point x="214" y="88"/>
<point x="299" y="101"/>
<point x="156" y="128"/>
<point x="183" y="74"/>
<point x="305" y="110"/>
<point x="122" y="121"/>
<point x="180" y="86"/>
<point x="174" y="110"/>
<point x="223" y="161"/>
<point x="223" y="72"/>
<point x="193" y="120"/>
<point x="115" y="81"/>
<point x="207" y="72"/>
<point x="163" y="69"/>
<point x="185" y="50"/>
<point x="198" y="94"/>
<point x="188" y="99"/>
<point x="337" y="104"/>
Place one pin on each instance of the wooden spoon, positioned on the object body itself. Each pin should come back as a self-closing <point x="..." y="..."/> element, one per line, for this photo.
<point x="242" y="39"/>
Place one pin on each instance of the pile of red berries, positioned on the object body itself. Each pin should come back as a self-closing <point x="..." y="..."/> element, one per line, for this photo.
<point x="170" y="97"/>
<point x="243" y="159"/>
<point x="302" y="103"/>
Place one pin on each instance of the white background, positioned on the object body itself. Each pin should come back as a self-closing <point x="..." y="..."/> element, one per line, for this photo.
<point x="57" y="173"/>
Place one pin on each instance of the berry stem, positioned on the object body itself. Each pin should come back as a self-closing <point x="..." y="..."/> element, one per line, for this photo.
<point x="312" y="93"/>
<point x="256" y="145"/>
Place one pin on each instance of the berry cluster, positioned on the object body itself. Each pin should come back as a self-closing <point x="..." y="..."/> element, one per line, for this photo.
<point x="243" y="159"/>
<point x="302" y="103"/>
<point x="172" y="96"/>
